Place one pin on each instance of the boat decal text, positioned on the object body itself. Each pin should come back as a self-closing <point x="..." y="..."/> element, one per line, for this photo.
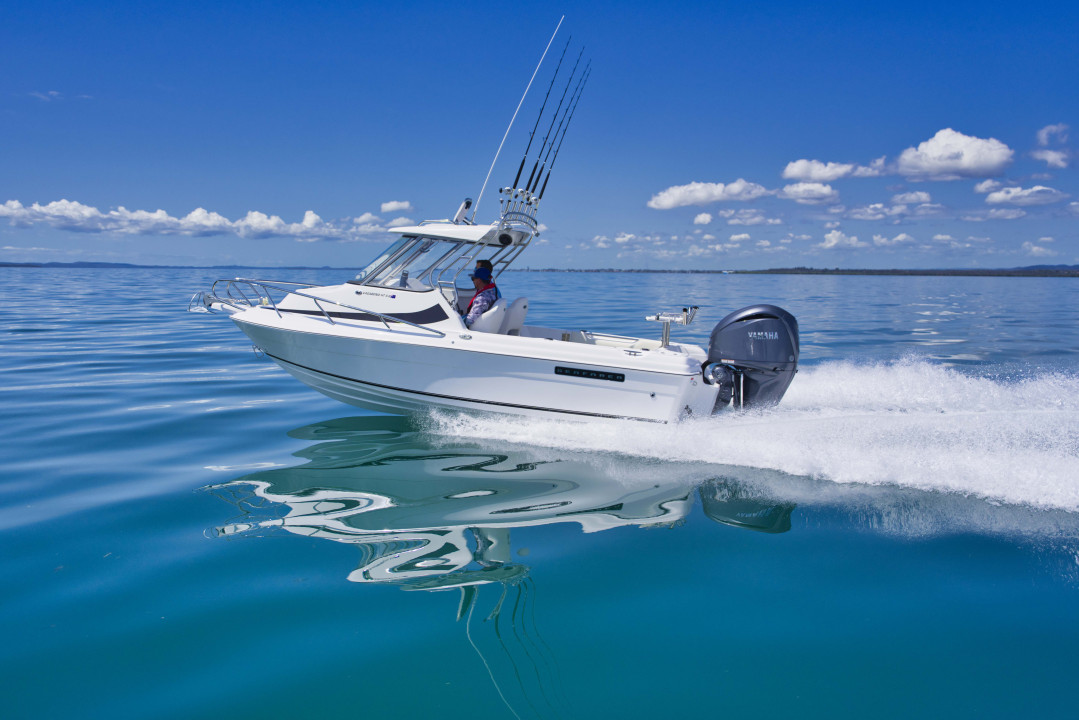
<point x="590" y="374"/>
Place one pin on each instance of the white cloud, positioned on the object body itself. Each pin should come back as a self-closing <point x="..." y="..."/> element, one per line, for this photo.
<point x="394" y="206"/>
<point x="698" y="193"/>
<point x="702" y="219"/>
<point x="950" y="155"/>
<point x="400" y="222"/>
<point x="987" y="186"/>
<point x="366" y="218"/>
<point x="832" y="225"/>
<point x="874" y="169"/>
<point x="748" y="216"/>
<point x="77" y="217"/>
<point x="1037" y="195"/>
<point x="810" y="193"/>
<point x="740" y="237"/>
<point x="911" y="198"/>
<point x="623" y="238"/>
<point x="878" y="211"/>
<point x="816" y="171"/>
<point x="1037" y="250"/>
<point x="1053" y="158"/>
<point x="1006" y="214"/>
<point x="837" y="239"/>
<point x="900" y="239"/>
<point x="1047" y="133"/>
<point x="943" y="238"/>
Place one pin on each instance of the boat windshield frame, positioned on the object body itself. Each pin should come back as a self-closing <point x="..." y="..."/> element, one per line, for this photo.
<point x="421" y="263"/>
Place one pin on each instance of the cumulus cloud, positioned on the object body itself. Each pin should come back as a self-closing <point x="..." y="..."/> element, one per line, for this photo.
<point x="1049" y="132"/>
<point x="1038" y="250"/>
<point x="878" y="211"/>
<point x="1057" y="159"/>
<point x="810" y="193"/>
<point x="748" y="216"/>
<point x="900" y="239"/>
<point x="1006" y="214"/>
<point x="1037" y="195"/>
<point x="817" y="171"/>
<point x="911" y="198"/>
<point x="77" y="217"/>
<point x="987" y="186"/>
<point x="837" y="239"/>
<point x="950" y="155"/>
<point x="400" y="222"/>
<point x="698" y="193"/>
<point x="395" y="206"/>
<point x="740" y="237"/>
<point x="702" y="219"/>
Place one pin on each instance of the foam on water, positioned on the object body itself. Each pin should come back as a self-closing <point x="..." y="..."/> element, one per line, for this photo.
<point x="910" y="424"/>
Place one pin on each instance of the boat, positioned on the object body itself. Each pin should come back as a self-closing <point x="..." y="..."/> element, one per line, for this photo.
<point x="393" y="338"/>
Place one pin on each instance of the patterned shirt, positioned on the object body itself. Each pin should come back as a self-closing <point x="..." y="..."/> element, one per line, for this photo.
<point x="481" y="303"/>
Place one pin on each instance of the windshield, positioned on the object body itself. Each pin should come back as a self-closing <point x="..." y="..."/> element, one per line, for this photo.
<point x="386" y="254"/>
<point x="413" y="263"/>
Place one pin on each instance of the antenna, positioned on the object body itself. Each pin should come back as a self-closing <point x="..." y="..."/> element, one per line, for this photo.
<point x="476" y="207"/>
<point x="584" y="82"/>
<point x="532" y="134"/>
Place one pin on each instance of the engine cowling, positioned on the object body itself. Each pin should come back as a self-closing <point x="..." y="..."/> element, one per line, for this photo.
<point x="752" y="356"/>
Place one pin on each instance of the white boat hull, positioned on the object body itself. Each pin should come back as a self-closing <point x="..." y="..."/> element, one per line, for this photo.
<point x="403" y="372"/>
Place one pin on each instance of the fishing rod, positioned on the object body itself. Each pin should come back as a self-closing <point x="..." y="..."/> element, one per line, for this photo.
<point x="550" y="147"/>
<point x="532" y="134"/>
<point x="476" y="207"/>
<point x="555" y="158"/>
<point x="553" y="118"/>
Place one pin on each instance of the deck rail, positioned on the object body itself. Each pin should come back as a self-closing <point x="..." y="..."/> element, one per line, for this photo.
<point x="246" y="293"/>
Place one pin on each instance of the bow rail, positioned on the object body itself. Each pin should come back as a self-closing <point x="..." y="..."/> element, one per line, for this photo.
<point x="246" y="293"/>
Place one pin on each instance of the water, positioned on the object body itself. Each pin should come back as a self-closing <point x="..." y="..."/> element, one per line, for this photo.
<point x="188" y="532"/>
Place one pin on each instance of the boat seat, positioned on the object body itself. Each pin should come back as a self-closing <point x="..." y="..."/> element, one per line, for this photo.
<point x="515" y="317"/>
<point x="491" y="320"/>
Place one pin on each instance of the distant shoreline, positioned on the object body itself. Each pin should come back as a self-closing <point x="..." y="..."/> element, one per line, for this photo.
<point x="1032" y="271"/>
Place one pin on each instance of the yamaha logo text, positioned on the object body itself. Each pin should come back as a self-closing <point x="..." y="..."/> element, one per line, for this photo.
<point x="763" y="335"/>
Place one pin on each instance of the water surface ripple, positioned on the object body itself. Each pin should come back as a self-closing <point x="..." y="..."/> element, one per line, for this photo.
<point x="188" y="532"/>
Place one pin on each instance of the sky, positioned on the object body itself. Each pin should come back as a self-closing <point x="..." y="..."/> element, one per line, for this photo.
<point x="714" y="135"/>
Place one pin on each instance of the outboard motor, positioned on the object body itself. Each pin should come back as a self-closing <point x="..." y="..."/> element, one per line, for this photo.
<point x="752" y="356"/>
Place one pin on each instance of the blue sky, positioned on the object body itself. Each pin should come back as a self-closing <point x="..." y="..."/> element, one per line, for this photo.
<point x="711" y="135"/>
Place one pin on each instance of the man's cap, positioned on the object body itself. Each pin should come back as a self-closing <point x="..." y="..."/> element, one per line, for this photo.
<point x="482" y="273"/>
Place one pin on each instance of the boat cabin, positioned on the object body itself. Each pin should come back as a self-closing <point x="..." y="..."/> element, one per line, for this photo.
<point x="441" y="255"/>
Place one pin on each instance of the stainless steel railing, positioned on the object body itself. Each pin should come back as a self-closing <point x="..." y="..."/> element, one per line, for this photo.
<point x="258" y="294"/>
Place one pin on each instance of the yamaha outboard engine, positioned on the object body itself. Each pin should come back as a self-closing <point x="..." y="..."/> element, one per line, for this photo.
<point x="752" y="356"/>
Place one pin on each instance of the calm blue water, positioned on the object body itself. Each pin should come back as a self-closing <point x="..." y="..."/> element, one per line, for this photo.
<point x="188" y="532"/>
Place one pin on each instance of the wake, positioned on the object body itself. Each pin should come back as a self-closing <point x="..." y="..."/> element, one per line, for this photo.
<point x="910" y="424"/>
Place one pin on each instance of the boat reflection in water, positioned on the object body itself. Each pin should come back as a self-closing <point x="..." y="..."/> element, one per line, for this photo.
<point x="430" y="513"/>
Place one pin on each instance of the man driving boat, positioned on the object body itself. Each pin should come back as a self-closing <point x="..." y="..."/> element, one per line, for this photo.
<point x="486" y="293"/>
